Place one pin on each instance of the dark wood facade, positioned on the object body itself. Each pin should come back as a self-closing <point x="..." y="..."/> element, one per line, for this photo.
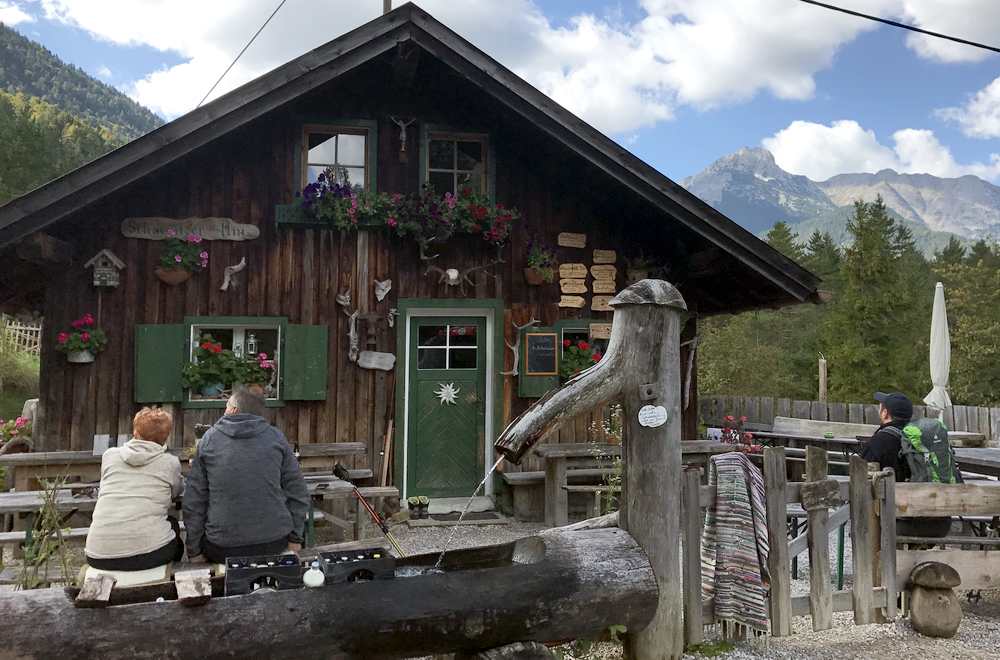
<point x="296" y="272"/>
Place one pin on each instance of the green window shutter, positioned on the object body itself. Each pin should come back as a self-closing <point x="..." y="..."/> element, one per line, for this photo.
<point x="304" y="363"/>
<point x="160" y="353"/>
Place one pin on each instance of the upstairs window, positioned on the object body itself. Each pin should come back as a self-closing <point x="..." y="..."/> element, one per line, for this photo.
<point x="344" y="149"/>
<point x="457" y="159"/>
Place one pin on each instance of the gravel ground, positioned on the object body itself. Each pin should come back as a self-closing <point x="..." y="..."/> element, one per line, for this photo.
<point x="978" y="637"/>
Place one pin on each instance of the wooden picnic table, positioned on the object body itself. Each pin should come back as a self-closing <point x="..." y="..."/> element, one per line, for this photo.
<point x="559" y="458"/>
<point x="981" y="460"/>
<point x="30" y="468"/>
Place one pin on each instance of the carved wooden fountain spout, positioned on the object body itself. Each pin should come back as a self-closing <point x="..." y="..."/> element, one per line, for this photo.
<point x="642" y="369"/>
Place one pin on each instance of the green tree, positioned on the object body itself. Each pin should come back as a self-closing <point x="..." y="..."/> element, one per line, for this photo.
<point x="781" y="238"/>
<point x="951" y="254"/>
<point x="984" y="252"/>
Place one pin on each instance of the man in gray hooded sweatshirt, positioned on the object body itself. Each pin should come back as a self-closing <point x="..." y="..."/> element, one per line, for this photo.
<point x="245" y="494"/>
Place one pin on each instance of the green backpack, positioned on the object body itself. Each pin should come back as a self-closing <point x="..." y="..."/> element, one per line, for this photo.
<point x="925" y="447"/>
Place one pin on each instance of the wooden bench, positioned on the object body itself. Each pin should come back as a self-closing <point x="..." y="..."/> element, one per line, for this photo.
<point x="528" y="489"/>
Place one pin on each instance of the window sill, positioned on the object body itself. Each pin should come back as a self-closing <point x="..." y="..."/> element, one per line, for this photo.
<point x="220" y="404"/>
<point x="293" y="215"/>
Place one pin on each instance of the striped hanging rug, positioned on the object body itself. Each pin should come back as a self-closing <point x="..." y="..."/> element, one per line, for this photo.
<point x="734" y="545"/>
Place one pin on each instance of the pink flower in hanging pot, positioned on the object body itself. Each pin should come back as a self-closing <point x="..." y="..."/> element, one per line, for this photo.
<point x="171" y="232"/>
<point x="178" y="258"/>
<point x="88" y="320"/>
<point x="62" y="337"/>
<point x="391" y="222"/>
<point x="85" y="336"/>
<point x="203" y="255"/>
<point x="20" y="422"/>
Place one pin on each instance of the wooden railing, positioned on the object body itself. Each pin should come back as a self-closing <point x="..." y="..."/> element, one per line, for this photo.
<point x="761" y="411"/>
<point x="20" y="336"/>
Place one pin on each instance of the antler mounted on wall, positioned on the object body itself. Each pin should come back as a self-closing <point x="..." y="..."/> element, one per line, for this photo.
<point x="454" y="276"/>
<point x="516" y="347"/>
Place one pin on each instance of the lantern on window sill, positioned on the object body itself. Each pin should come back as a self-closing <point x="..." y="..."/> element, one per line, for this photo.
<point x="106" y="266"/>
<point x="251" y="345"/>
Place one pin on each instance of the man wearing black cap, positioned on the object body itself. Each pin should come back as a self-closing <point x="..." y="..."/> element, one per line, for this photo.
<point x="894" y="409"/>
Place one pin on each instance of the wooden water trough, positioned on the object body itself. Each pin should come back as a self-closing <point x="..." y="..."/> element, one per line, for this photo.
<point x="560" y="585"/>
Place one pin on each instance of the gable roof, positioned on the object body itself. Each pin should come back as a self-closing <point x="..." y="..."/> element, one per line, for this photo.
<point x="57" y="199"/>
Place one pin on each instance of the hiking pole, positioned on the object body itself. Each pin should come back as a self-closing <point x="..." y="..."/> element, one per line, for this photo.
<point x="341" y="473"/>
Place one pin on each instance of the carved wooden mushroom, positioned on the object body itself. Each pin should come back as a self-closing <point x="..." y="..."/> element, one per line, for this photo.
<point x="934" y="607"/>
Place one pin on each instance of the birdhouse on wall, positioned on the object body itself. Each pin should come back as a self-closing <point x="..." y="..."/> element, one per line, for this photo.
<point x="106" y="266"/>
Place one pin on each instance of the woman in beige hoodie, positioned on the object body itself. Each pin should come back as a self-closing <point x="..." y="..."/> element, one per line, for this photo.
<point x="131" y="530"/>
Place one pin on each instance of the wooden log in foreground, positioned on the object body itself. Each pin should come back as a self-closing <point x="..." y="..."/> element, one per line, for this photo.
<point x="559" y="586"/>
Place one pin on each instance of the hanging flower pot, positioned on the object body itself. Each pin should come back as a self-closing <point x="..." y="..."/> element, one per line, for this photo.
<point x="172" y="276"/>
<point x="535" y="276"/>
<point x="80" y="357"/>
<point x="83" y="341"/>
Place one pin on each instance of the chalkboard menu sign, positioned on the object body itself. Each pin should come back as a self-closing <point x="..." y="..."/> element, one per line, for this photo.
<point x="540" y="354"/>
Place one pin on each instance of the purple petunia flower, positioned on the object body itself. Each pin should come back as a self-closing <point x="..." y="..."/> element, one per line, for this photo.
<point x="178" y="258"/>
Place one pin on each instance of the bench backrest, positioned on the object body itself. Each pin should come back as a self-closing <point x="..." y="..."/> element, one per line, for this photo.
<point x="811" y="427"/>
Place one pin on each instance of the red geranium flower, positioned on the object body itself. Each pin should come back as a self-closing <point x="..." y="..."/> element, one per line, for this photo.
<point x="206" y="345"/>
<point x="85" y="336"/>
<point x="62" y="337"/>
<point x="596" y="357"/>
<point x="567" y="343"/>
<point x="583" y="346"/>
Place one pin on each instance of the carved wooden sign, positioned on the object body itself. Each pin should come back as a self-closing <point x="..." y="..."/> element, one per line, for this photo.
<point x="210" y="229"/>
<point x="604" y="286"/>
<point x="572" y="271"/>
<point x="573" y="286"/>
<point x="606" y="272"/>
<point x="572" y="302"/>
<point x="600" y="331"/>
<point x="605" y="256"/>
<point x="601" y="303"/>
<point x="567" y="239"/>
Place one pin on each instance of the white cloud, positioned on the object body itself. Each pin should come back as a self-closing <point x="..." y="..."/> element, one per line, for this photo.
<point x="980" y="116"/>
<point x="619" y="76"/>
<point x="973" y="20"/>
<point x="104" y="72"/>
<point x="819" y="152"/>
<point x="12" y="14"/>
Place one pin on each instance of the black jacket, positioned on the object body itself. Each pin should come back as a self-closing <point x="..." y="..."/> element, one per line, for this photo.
<point x="884" y="448"/>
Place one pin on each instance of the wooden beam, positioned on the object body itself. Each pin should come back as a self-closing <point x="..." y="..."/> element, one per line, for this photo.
<point x="861" y="542"/>
<point x="40" y="248"/>
<point x="405" y="63"/>
<point x="916" y="499"/>
<point x="819" y="545"/>
<point x="561" y="585"/>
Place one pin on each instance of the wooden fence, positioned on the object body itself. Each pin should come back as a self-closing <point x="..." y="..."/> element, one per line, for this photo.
<point x="828" y="504"/>
<point x="20" y="336"/>
<point x="761" y="411"/>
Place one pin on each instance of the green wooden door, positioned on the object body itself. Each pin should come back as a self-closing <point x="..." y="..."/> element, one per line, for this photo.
<point x="446" y="406"/>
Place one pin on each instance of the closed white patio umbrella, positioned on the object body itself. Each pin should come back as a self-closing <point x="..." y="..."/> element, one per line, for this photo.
<point x="940" y="353"/>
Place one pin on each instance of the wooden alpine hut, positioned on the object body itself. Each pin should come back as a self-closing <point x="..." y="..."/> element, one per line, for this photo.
<point x="392" y="231"/>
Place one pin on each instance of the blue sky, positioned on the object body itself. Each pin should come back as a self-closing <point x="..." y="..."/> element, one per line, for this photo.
<point x="680" y="82"/>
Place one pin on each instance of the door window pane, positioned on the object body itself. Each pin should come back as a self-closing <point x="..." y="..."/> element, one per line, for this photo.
<point x="431" y="358"/>
<point x="432" y="335"/>
<point x="462" y="358"/>
<point x="462" y="335"/>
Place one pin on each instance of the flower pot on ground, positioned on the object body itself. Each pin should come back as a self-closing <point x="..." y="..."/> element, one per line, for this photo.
<point x="172" y="276"/>
<point x="83" y="341"/>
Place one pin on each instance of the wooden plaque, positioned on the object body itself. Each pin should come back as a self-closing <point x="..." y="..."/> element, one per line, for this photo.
<point x="574" y="302"/>
<point x="573" y="286"/>
<point x="600" y="331"/>
<point x="606" y="272"/>
<point x="600" y="304"/>
<point x="567" y="239"/>
<point x="605" y="286"/>
<point x="541" y="354"/>
<point x="605" y="256"/>
<point x="572" y="271"/>
<point x="210" y="229"/>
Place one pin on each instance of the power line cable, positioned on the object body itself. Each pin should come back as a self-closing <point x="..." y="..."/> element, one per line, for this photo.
<point x="902" y="25"/>
<point x="240" y="54"/>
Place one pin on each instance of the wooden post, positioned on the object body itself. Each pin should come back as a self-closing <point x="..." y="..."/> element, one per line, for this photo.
<point x="861" y="540"/>
<point x="693" y="520"/>
<point x="875" y="534"/>
<point x="642" y="368"/>
<point x="822" y="379"/>
<point x="887" y="519"/>
<point x="556" y="497"/>
<point x="820" y="596"/>
<point x="386" y="6"/>
<point x="775" y="489"/>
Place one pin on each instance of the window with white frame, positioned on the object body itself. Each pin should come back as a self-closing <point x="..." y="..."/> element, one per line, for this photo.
<point x="343" y="149"/>
<point x="457" y="159"/>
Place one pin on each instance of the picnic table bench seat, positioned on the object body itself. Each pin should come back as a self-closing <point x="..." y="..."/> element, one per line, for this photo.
<point x="528" y="489"/>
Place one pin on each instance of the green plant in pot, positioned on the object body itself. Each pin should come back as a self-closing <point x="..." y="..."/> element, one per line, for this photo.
<point x="576" y="357"/>
<point x="181" y="258"/>
<point x="213" y="369"/>
<point x="83" y="341"/>
<point x="541" y="265"/>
